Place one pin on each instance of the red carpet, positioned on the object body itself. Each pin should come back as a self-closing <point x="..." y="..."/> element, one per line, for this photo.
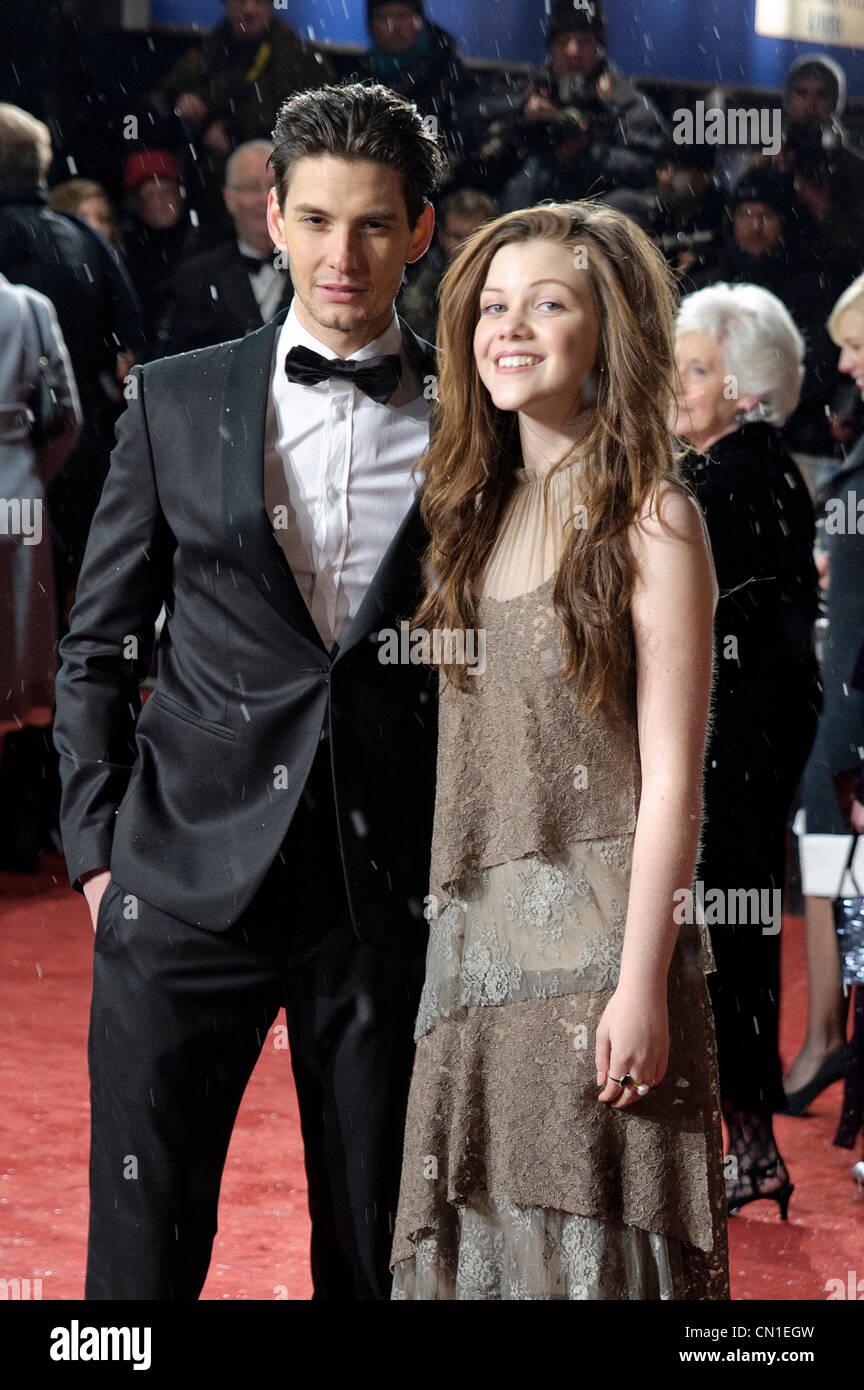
<point x="261" y="1250"/>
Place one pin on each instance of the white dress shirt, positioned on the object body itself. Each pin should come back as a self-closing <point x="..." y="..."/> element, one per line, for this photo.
<point x="347" y="464"/>
<point x="266" y="283"/>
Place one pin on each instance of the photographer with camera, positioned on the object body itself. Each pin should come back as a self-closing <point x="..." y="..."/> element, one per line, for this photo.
<point x="684" y="212"/>
<point x="581" y="128"/>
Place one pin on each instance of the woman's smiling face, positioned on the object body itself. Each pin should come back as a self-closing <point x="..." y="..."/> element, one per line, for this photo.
<point x="537" y="331"/>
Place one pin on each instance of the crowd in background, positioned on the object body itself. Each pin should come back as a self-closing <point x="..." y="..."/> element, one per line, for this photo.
<point x="184" y="260"/>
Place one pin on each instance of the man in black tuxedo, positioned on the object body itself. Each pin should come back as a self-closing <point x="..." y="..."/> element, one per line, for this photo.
<point x="267" y="815"/>
<point x="238" y="285"/>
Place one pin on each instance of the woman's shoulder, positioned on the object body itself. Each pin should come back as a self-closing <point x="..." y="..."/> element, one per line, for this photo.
<point x="670" y="504"/>
<point x="671" y="513"/>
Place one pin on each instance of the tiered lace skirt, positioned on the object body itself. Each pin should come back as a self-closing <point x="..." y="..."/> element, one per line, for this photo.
<point x="516" y="1182"/>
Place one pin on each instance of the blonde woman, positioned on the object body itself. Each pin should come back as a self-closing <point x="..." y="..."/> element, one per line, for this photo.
<point x="563" y="1136"/>
<point x="89" y="200"/>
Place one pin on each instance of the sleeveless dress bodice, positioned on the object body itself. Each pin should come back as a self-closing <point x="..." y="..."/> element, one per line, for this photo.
<point x="520" y="767"/>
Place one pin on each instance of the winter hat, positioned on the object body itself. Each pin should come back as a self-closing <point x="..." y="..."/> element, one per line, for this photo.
<point x="824" y="64"/>
<point x="765" y="185"/>
<point x="688" y="156"/>
<point x="577" y="17"/>
<point x="149" y="164"/>
<point x="373" y="5"/>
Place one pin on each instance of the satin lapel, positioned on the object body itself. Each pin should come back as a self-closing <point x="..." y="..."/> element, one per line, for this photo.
<point x="248" y="529"/>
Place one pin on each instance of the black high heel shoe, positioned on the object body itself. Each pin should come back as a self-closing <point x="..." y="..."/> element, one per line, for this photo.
<point x="831" y="1070"/>
<point x="752" y="1176"/>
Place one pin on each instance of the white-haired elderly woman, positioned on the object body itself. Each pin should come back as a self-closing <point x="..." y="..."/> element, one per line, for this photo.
<point x="740" y="361"/>
<point x="823" y="827"/>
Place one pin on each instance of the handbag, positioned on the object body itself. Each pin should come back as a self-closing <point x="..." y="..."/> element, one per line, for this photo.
<point x="849" y="924"/>
<point x="48" y="415"/>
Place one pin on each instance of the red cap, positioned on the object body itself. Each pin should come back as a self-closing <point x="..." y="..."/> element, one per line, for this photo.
<point x="149" y="164"/>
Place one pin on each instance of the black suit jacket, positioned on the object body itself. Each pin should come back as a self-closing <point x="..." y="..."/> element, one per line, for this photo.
<point x="212" y="301"/>
<point x="188" y="800"/>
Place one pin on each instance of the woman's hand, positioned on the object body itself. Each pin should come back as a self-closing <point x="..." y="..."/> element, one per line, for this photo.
<point x="857" y="816"/>
<point x="632" y="1036"/>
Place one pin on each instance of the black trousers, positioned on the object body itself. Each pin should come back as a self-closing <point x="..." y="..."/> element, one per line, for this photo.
<point x="179" y="1016"/>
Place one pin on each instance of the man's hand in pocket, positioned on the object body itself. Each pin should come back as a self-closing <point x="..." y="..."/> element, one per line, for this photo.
<point x="94" y="884"/>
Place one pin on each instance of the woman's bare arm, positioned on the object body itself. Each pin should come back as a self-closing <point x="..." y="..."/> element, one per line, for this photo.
<point x="673" y="617"/>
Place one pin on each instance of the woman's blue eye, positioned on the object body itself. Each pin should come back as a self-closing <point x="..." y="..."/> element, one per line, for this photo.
<point x="543" y="304"/>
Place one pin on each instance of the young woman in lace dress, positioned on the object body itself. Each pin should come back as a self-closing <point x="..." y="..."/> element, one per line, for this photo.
<point x="563" y="1136"/>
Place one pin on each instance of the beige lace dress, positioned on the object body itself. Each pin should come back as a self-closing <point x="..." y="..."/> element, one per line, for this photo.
<point x="516" y="1183"/>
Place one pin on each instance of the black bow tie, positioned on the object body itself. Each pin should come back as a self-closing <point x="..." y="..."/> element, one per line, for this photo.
<point x="377" y="377"/>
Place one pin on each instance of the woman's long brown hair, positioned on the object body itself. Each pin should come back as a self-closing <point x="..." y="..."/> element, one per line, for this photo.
<point x="628" y="448"/>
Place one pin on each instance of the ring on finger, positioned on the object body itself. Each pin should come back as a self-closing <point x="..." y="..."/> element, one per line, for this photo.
<point x="640" y="1087"/>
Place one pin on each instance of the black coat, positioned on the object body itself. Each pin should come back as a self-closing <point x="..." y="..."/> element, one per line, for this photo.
<point x="767" y="692"/>
<point x="189" y="801"/>
<point x="99" y="314"/>
<point x="762" y="527"/>
<point x="211" y="301"/>
<point x="843" y="532"/>
<point x="841" y="729"/>
<point x="221" y="73"/>
<point x="152" y="255"/>
<point x="437" y="81"/>
<point x="63" y="258"/>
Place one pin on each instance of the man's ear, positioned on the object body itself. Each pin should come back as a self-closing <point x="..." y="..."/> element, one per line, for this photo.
<point x="422" y="235"/>
<point x="275" y="223"/>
